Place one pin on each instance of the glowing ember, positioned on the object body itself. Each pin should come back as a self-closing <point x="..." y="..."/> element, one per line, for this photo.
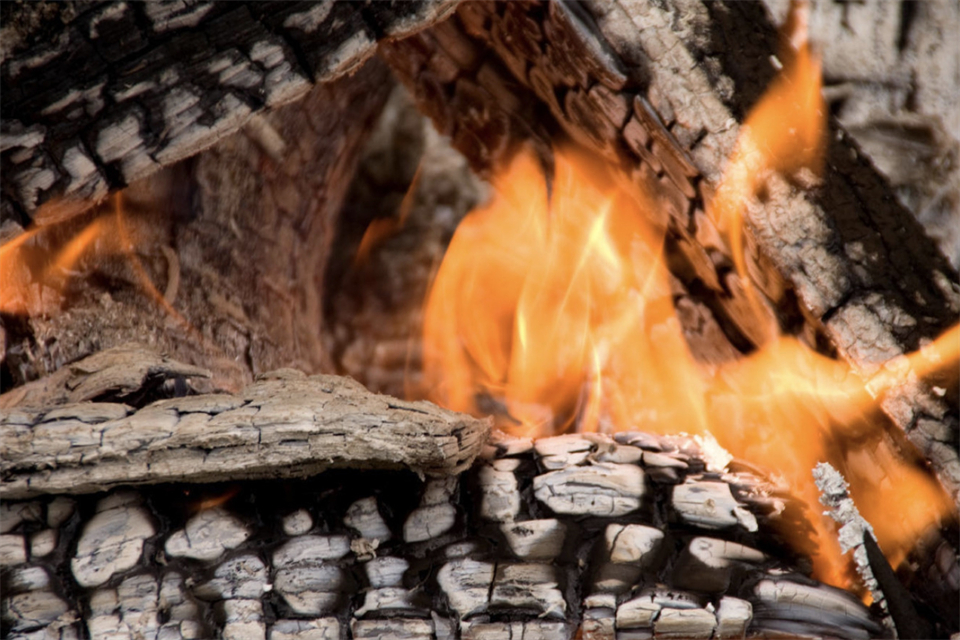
<point x="553" y="309"/>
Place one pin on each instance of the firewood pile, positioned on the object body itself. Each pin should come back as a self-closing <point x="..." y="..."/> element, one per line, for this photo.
<point x="196" y="488"/>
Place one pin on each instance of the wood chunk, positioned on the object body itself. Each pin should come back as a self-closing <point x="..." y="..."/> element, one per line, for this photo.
<point x="283" y="427"/>
<point x="687" y="624"/>
<point x="637" y="613"/>
<point x="244" y="577"/>
<point x="386" y="571"/>
<point x="528" y="586"/>
<point x="812" y="606"/>
<point x="428" y="522"/>
<point x="500" y="499"/>
<point x="562" y="451"/>
<point x="118" y="371"/>
<point x="112" y="541"/>
<point x="298" y="523"/>
<point x="466" y="583"/>
<point x="316" y="629"/>
<point x="311" y="548"/>
<point x="13" y="549"/>
<point x="598" y="624"/>
<point x="733" y="618"/>
<point x="391" y="629"/>
<point x="535" y="539"/>
<point x="711" y="505"/>
<point x="387" y="600"/>
<point x="207" y="535"/>
<point x="243" y="619"/>
<point x="706" y="564"/>
<point x="42" y="543"/>
<point x="603" y="489"/>
<point x="364" y="516"/>
<point x="532" y="630"/>
<point x="632" y="543"/>
<point x="310" y="588"/>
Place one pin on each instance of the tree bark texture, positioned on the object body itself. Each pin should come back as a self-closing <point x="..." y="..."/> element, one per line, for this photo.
<point x="659" y="89"/>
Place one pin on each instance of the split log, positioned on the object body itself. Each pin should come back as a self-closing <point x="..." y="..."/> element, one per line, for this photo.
<point x="285" y="425"/>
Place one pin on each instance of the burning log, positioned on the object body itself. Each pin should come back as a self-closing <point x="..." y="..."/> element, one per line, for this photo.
<point x="474" y="555"/>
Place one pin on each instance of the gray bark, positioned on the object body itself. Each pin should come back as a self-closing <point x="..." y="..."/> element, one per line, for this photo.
<point x="285" y="425"/>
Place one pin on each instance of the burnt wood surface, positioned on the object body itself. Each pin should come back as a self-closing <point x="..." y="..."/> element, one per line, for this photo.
<point x="659" y="89"/>
<point x="98" y="95"/>
<point x="591" y="535"/>
<point x="284" y="425"/>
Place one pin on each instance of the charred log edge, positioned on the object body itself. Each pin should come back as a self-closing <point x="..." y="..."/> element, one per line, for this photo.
<point x="584" y="574"/>
<point x="285" y="425"/>
<point x="97" y="95"/>
<point x="869" y="283"/>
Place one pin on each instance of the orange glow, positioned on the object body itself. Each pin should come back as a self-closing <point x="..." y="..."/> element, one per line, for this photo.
<point x="380" y="229"/>
<point x="26" y="267"/>
<point x="553" y="309"/>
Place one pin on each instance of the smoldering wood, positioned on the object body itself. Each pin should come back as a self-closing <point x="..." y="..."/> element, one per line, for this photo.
<point x="284" y="425"/>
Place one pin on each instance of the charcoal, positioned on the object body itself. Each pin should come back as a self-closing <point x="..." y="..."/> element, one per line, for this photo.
<point x="207" y="536"/>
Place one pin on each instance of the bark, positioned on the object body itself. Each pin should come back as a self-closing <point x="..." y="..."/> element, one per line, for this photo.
<point x="227" y="252"/>
<point x="285" y="425"/>
<point x="659" y="89"/>
<point x="99" y="95"/>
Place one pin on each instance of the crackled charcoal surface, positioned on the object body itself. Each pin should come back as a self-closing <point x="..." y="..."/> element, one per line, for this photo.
<point x="575" y="535"/>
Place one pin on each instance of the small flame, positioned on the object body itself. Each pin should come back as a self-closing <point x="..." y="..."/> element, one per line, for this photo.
<point x="553" y="309"/>
<point x="783" y="133"/>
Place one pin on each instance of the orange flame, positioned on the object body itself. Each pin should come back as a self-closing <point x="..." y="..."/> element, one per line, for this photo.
<point x="783" y="133"/>
<point x="552" y="308"/>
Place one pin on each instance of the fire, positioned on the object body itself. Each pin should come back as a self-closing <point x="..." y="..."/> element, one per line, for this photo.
<point x="553" y="309"/>
<point x="37" y="266"/>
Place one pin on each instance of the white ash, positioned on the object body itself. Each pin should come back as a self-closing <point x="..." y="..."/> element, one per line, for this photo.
<point x="835" y="495"/>
<point x="310" y="588"/>
<point x="298" y="523"/>
<point x="207" y="535"/>
<point x="637" y="613"/>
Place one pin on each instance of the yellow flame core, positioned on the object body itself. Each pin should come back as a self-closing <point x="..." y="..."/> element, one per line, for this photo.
<point x="560" y="310"/>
